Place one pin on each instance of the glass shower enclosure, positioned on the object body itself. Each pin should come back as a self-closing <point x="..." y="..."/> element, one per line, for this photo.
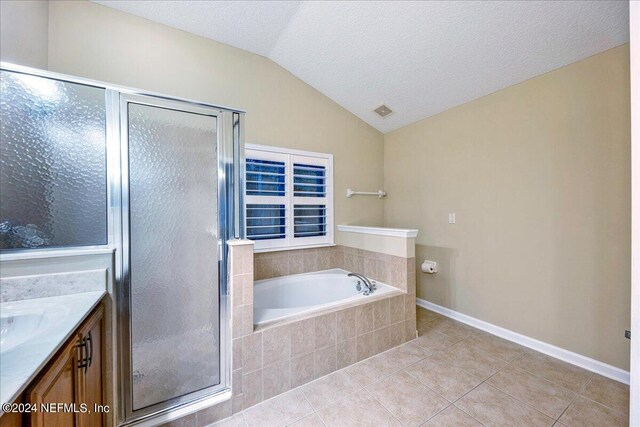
<point x="175" y="210"/>
<point x="158" y="180"/>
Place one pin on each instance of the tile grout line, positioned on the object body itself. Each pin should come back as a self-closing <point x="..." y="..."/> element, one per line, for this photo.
<point x="523" y="353"/>
<point x="481" y="383"/>
<point x="386" y="377"/>
<point x="437" y="413"/>
<point x="381" y="404"/>
<point x="435" y="354"/>
<point x="321" y="408"/>
<point x="431" y="354"/>
<point x="601" y="404"/>
<point x="336" y="400"/>
<point x="546" y="379"/>
<point x="495" y="373"/>
<point x="306" y="415"/>
<point x="577" y="394"/>
<point x="449" y="403"/>
<point x="611" y="376"/>
<point x="300" y="386"/>
<point x="592" y="400"/>
<point x="460" y="398"/>
<point x="522" y="402"/>
<point x="320" y="418"/>
<point x="464" y="370"/>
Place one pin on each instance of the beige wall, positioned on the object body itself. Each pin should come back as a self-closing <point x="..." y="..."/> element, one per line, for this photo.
<point x="538" y="175"/>
<point x="23" y="32"/>
<point x="90" y="40"/>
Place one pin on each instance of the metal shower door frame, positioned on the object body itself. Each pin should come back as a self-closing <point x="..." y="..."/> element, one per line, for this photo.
<point x="226" y="146"/>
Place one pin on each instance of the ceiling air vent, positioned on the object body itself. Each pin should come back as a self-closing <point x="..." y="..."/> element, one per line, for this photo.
<point x="383" y="111"/>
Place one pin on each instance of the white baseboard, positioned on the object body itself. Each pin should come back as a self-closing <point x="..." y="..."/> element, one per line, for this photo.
<point x="551" y="350"/>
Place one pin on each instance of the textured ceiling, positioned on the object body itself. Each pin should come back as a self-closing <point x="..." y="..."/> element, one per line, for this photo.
<point x="419" y="58"/>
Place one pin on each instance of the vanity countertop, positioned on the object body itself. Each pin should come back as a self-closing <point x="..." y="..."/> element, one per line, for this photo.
<point x="48" y="323"/>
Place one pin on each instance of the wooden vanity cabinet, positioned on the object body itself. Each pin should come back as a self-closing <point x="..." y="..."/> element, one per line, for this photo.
<point x="59" y="384"/>
<point x="74" y="377"/>
<point x="92" y="378"/>
<point x="11" y="419"/>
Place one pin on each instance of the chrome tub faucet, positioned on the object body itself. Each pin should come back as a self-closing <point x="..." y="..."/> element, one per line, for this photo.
<point x="369" y="286"/>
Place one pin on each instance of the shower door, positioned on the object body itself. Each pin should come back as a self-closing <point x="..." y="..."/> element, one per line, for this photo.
<point x="172" y="213"/>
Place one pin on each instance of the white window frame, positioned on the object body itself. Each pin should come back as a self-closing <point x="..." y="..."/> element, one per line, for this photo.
<point x="289" y="157"/>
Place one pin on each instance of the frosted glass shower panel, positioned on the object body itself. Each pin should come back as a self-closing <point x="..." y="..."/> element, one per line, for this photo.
<point x="53" y="180"/>
<point x="173" y="234"/>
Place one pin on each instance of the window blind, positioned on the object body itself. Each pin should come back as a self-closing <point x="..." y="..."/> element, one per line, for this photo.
<point x="309" y="180"/>
<point x="309" y="220"/>
<point x="266" y="221"/>
<point x="288" y="198"/>
<point x="265" y="178"/>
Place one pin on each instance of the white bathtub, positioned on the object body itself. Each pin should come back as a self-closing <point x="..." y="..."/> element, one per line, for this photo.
<point x="282" y="297"/>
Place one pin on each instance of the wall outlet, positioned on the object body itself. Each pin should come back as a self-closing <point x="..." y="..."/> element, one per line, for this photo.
<point x="452" y="218"/>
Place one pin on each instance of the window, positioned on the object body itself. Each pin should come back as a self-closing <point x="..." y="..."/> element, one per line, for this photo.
<point x="53" y="177"/>
<point x="289" y="198"/>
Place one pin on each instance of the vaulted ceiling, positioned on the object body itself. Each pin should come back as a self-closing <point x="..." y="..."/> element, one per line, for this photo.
<point x="418" y="57"/>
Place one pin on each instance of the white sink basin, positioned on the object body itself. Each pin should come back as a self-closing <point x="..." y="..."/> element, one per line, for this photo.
<point x="31" y="331"/>
<point x="26" y="321"/>
<point x="16" y="329"/>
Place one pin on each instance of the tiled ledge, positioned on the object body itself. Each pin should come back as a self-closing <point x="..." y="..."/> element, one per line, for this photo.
<point x="390" y="241"/>
<point x="380" y="231"/>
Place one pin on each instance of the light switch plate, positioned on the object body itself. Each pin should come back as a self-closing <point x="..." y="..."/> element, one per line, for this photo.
<point x="452" y="218"/>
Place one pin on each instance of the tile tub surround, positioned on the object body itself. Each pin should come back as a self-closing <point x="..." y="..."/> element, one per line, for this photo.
<point x="393" y="270"/>
<point x="274" y="359"/>
<point x="50" y="285"/>
<point x="419" y="384"/>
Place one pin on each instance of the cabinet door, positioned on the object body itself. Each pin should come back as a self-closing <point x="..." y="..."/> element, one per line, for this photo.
<point x="11" y="419"/>
<point x="57" y="386"/>
<point x="91" y="379"/>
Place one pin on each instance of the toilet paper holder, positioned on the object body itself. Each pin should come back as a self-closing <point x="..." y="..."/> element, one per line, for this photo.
<point x="429" y="267"/>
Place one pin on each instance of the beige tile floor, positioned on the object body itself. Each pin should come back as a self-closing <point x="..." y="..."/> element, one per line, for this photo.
<point x="451" y="375"/>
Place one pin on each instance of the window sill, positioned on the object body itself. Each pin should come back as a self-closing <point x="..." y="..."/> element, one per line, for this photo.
<point x="293" y="248"/>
